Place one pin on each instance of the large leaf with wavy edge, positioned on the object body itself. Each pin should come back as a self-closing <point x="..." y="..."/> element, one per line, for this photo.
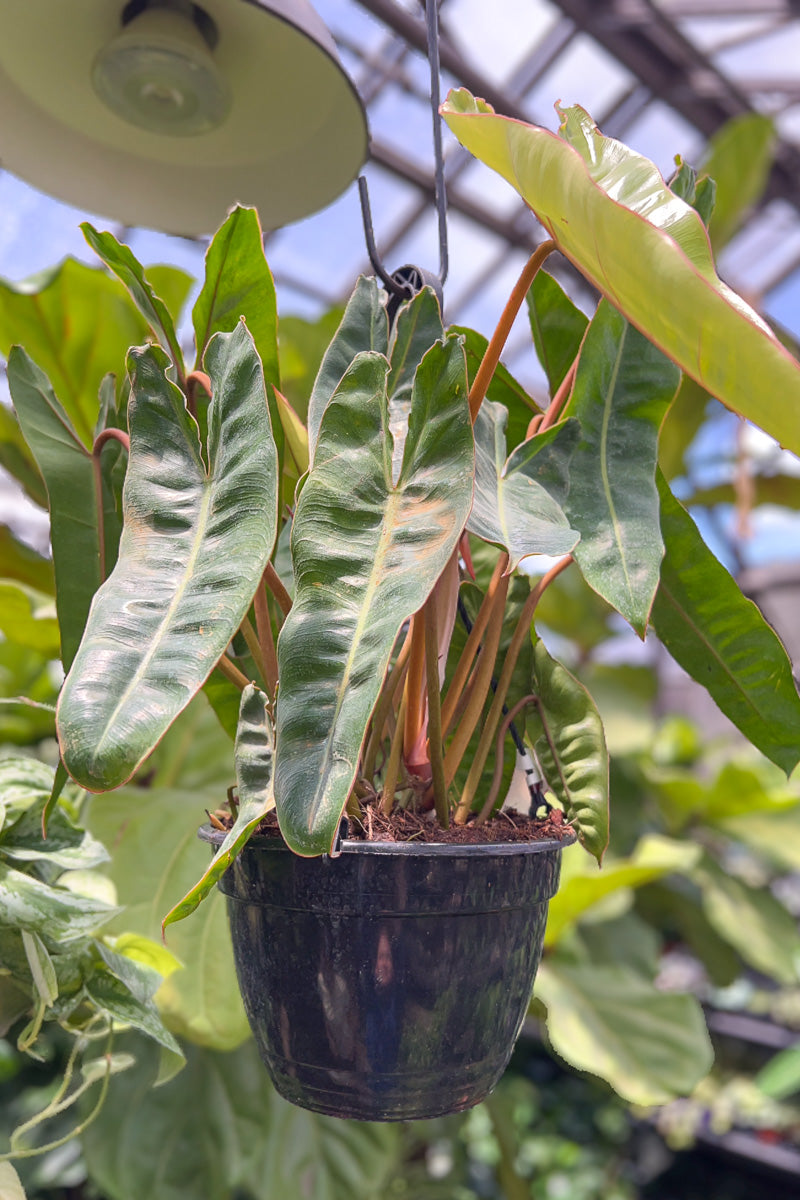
<point x="66" y="466"/>
<point x="253" y="758"/>
<point x="367" y="553"/>
<point x="568" y="737"/>
<point x="649" y="1044"/>
<point x="610" y="212"/>
<point x="622" y="391"/>
<point x="193" y="548"/>
<point x="721" y="639"/>
<point x="364" y="326"/>
<point x="517" y="502"/>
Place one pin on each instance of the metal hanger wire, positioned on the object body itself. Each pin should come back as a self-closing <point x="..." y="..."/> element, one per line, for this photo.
<point x="407" y="281"/>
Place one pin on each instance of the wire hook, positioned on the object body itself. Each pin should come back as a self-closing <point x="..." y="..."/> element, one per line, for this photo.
<point x="407" y="281"/>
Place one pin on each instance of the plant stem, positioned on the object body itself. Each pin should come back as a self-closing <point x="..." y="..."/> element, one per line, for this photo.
<point x="472" y="646"/>
<point x="495" y="712"/>
<point x="497" y="778"/>
<point x="513" y="1186"/>
<point x="246" y="629"/>
<point x="383" y="707"/>
<point x="275" y="585"/>
<point x="393" y="765"/>
<point x="232" y="673"/>
<point x="559" y="401"/>
<point x="265" y="638"/>
<point x="431" y="625"/>
<point x="479" y="689"/>
<point x="193" y="379"/>
<point x="415" y="686"/>
<point x="491" y="358"/>
<point x="117" y="435"/>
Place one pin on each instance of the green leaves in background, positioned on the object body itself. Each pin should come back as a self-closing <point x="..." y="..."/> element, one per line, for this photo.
<point x="77" y="323"/>
<point x="253" y="756"/>
<point x="517" y="501"/>
<point x="367" y="552"/>
<point x="16" y="458"/>
<point x="611" y="214"/>
<point x="557" y="326"/>
<point x="751" y="920"/>
<point x="611" y="1021"/>
<point x="363" y="327"/>
<point x="66" y="465"/>
<point x="722" y="641"/>
<point x="219" y="1127"/>
<point x="28" y="618"/>
<point x="567" y="734"/>
<point x="151" y="874"/>
<point x="582" y="886"/>
<point x="622" y="391"/>
<point x="194" y="547"/>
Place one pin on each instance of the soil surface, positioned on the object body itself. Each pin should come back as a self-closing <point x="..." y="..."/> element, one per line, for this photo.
<point x="402" y="826"/>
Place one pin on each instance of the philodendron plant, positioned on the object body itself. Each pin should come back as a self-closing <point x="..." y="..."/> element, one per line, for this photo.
<point x="307" y="565"/>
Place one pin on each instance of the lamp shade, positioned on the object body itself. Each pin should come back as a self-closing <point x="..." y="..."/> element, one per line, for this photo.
<point x="165" y="114"/>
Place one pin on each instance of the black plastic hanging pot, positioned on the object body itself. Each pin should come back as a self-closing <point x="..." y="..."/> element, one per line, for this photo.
<point x="389" y="983"/>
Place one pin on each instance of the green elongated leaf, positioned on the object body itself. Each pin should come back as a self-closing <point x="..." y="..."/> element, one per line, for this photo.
<point x="253" y="756"/>
<point x="173" y="1143"/>
<point x="517" y="503"/>
<point x="557" y="326"/>
<point x="41" y="967"/>
<point x="238" y="283"/>
<point x="780" y="1078"/>
<point x="76" y="323"/>
<point x="58" y="916"/>
<point x="751" y="920"/>
<point x="19" y="562"/>
<point x="193" y="550"/>
<point x="567" y="734"/>
<point x="28" y="618"/>
<point x="367" y="553"/>
<point x="121" y="260"/>
<point x="201" y="1001"/>
<point x="363" y="327"/>
<point x="66" y="466"/>
<point x="738" y="159"/>
<point x="610" y="212"/>
<point x="504" y="388"/>
<point x="650" y="1045"/>
<point x="622" y="391"/>
<point x="775" y="836"/>
<point x="722" y="641"/>
<point x="582" y="885"/>
<point x="16" y="458"/>
<point x="416" y="327"/>
<point x="60" y="780"/>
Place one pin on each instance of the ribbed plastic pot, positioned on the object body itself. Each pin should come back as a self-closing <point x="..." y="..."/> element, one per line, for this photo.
<point x="389" y="983"/>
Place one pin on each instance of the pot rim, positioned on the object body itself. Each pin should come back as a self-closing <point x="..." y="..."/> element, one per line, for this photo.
<point x="207" y="833"/>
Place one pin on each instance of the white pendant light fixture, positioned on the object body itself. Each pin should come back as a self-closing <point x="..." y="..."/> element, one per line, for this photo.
<point x="164" y="113"/>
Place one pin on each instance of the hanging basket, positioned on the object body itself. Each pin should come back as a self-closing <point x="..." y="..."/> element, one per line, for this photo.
<point x="389" y="983"/>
